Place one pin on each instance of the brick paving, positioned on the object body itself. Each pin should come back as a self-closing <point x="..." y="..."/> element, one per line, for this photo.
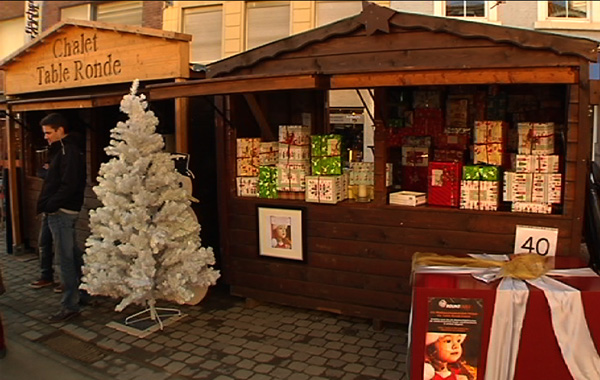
<point x="220" y="338"/>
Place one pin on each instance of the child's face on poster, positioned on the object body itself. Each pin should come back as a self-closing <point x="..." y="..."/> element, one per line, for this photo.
<point x="449" y="347"/>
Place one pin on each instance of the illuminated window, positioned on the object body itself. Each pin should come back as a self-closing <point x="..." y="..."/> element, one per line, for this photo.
<point x="583" y="15"/>
<point x="205" y="24"/>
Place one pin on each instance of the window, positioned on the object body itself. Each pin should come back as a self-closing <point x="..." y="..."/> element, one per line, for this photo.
<point x="266" y="21"/>
<point x="120" y="12"/>
<point x="568" y="15"/>
<point x="470" y="10"/>
<point x="205" y="24"/>
<point x="465" y="8"/>
<point x="567" y="9"/>
<point x="330" y="11"/>
<point x="117" y="12"/>
<point x="77" y="12"/>
<point x="12" y="36"/>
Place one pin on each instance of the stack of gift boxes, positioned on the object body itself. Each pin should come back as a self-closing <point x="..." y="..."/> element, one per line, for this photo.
<point x="536" y="183"/>
<point x="328" y="183"/>
<point x="294" y="159"/>
<point x="247" y="163"/>
<point x="267" y="172"/>
<point x="416" y="151"/>
<point x="480" y="187"/>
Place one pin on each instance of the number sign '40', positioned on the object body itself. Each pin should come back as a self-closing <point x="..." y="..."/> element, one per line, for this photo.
<point x="539" y="240"/>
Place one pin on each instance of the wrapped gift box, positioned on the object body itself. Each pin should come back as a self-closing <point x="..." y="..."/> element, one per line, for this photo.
<point x="362" y="173"/>
<point x="444" y="183"/>
<point x="457" y="115"/>
<point x="454" y="141"/>
<point x="389" y="168"/>
<point x="427" y="99"/>
<point x="294" y="134"/>
<point x="247" y="157"/>
<point x="247" y="186"/>
<point x="293" y="153"/>
<point x="247" y="166"/>
<point x="428" y="121"/>
<point x="536" y="138"/>
<point x="415" y="156"/>
<point x="537" y="327"/>
<point x="490" y="142"/>
<point x="546" y="188"/>
<point x="479" y="195"/>
<point x="324" y="189"/>
<point x="326" y="153"/>
<point x="417" y="141"/>
<point x="517" y="187"/>
<point x="269" y="153"/>
<point x="415" y="178"/>
<point x="480" y="188"/>
<point x="449" y="155"/>
<point x="247" y="147"/>
<point x="267" y="182"/>
<point x="527" y="163"/>
<point x="531" y="207"/>
<point x="408" y="198"/>
<point x="291" y="177"/>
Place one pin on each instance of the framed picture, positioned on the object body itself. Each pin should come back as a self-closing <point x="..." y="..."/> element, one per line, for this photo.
<point x="280" y="232"/>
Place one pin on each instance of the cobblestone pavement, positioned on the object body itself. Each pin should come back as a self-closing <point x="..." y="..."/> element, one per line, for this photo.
<point x="220" y="338"/>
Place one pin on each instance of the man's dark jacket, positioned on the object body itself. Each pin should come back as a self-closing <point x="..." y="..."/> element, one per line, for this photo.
<point x="64" y="184"/>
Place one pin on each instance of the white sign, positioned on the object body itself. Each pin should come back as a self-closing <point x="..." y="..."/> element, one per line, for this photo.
<point x="539" y="240"/>
<point x="33" y="22"/>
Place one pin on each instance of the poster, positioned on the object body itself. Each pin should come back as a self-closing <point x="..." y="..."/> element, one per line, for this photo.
<point x="453" y="338"/>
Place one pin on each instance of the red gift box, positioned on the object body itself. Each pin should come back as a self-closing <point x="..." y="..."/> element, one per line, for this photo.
<point x="539" y="355"/>
<point x="414" y="178"/>
<point x="449" y="155"/>
<point x="428" y="121"/>
<point x="444" y="183"/>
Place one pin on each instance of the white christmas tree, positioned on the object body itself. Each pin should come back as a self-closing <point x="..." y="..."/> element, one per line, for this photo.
<point x="145" y="242"/>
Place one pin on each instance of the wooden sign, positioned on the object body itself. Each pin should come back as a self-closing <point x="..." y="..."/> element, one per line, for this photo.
<point x="76" y="56"/>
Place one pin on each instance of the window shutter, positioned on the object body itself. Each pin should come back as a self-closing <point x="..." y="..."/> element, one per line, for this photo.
<point x="77" y="12"/>
<point x="330" y="11"/>
<point x="120" y="12"/>
<point x="205" y="24"/>
<point x="267" y="22"/>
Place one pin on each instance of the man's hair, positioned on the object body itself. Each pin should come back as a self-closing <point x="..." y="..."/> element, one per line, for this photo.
<point x="55" y="120"/>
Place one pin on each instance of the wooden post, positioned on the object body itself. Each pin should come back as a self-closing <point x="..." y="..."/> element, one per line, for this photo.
<point x="181" y="123"/>
<point x="12" y="183"/>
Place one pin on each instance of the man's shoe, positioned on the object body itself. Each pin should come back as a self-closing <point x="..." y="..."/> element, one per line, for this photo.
<point x="41" y="284"/>
<point x="62" y="316"/>
<point x="59" y="288"/>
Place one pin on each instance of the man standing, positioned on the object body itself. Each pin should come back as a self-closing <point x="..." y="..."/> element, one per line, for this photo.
<point x="60" y="201"/>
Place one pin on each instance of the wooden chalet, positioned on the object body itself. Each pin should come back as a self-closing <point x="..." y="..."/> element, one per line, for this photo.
<point x="81" y="69"/>
<point x="358" y="255"/>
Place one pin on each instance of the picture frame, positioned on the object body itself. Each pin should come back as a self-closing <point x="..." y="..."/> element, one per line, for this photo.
<point x="281" y="232"/>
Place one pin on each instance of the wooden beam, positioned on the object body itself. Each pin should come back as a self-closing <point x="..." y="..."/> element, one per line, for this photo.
<point x="595" y="92"/>
<point x="238" y="85"/>
<point x="260" y="117"/>
<point x="54" y="105"/>
<point x="12" y="181"/>
<point x="449" y="77"/>
<point x="181" y="124"/>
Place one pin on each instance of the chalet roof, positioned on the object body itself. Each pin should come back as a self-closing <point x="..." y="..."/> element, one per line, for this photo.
<point x="119" y="28"/>
<point x="376" y="18"/>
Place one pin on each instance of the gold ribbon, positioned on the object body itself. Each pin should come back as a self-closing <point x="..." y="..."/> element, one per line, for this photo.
<point x="521" y="266"/>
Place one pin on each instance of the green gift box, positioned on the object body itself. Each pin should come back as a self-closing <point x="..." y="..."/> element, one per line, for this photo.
<point x="481" y="173"/>
<point x="267" y="182"/>
<point x="326" y="151"/>
<point x="326" y="165"/>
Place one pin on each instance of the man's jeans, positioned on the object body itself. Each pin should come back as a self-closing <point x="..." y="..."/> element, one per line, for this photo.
<point x="62" y="227"/>
<point x="46" y="252"/>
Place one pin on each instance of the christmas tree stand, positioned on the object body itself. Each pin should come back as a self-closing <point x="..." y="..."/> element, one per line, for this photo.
<point x="152" y="313"/>
<point x="147" y="321"/>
